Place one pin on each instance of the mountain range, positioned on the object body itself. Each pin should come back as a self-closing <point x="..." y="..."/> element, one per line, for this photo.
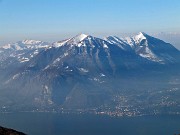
<point x="86" y="72"/>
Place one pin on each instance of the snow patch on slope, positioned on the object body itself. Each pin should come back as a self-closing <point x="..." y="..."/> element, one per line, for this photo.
<point x="31" y="42"/>
<point x="83" y="70"/>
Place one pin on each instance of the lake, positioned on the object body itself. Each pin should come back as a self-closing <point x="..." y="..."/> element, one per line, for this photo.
<point x="75" y="124"/>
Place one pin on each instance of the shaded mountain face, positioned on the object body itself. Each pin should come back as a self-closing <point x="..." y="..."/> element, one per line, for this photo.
<point x="83" y="71"/>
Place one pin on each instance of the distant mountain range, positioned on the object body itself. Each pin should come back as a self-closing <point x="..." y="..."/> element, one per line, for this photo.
<point x="86" y="72"/>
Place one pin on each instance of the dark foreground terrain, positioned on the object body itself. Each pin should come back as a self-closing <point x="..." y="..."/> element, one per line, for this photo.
<point x="6" y="131"/>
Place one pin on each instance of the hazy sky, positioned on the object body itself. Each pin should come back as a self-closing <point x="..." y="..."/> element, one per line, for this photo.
<point x="57" y="19"/>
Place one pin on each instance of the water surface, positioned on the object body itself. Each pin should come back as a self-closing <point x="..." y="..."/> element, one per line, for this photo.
<point x="71" y="124"/>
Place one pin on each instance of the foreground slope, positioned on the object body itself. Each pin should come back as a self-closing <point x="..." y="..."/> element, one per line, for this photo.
<point x="6" y="131"/>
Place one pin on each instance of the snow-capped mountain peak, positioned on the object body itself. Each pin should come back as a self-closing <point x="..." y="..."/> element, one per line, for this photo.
<point x="80" y="37"/>
<point x="139" y="37"/>
<point x="77" y="39"/>
<point x="73" y="41"/>
<point x="135" y="40"/>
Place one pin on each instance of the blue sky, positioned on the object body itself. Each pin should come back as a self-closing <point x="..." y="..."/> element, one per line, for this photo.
<point x="58" y="19"/>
